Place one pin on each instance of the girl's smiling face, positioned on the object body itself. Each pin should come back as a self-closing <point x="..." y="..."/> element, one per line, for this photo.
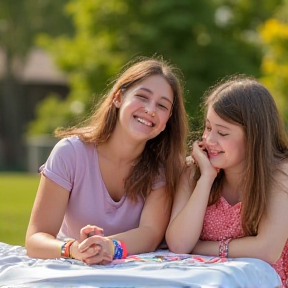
<point x="146" y="107"/>
<point x="225" y="142"/>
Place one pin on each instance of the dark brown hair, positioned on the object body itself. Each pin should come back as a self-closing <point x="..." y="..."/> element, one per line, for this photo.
<point x="244" y="101"/>
<point x="167" y="149"/>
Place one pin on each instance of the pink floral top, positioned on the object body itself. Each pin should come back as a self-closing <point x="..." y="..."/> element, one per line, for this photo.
<point x="223" y="221"/>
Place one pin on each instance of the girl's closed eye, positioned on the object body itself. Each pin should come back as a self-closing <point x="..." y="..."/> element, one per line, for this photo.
<point x="142" y="97"/>
<point x="223" y="134"/>
<point x="162" y="106"/>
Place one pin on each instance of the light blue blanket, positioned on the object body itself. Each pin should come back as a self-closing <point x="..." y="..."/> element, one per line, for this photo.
<point x="161" y="268"/>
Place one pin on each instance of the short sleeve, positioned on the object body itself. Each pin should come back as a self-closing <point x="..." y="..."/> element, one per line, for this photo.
<point x="60" y="165"/>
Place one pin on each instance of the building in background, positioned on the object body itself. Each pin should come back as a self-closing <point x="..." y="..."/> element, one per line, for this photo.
<point x="35" y="79"/>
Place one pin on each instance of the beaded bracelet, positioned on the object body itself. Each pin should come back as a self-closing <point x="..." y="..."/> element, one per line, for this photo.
<point x="120" y="250"/>
<point x="65" y="248"/>
<point x="223" y="248"/>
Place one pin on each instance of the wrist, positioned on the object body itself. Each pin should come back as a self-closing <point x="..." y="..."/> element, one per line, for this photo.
<point x="66" y="247"/>
<point x="112" y="247"/>
<point x="207" y="179"/>
<point x="72" y="250"/>
<point x="224" y="248"/>
<point x="120" y="250"/>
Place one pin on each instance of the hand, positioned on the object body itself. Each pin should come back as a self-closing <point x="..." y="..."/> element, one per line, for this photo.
<point x="201" y="159"/>
<point x="89" y="231"/>
<point x="94" y="249"/>
<point x="100" y="250"/>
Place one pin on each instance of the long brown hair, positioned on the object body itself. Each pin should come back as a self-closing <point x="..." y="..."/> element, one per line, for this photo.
<point x="167" y="149"/>
<point x="244" y="101"/>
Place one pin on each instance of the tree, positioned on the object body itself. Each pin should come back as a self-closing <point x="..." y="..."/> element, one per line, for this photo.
<point x="20" y="21"/>
<point x="274" y="66"/>
<point x="206" y="39"/>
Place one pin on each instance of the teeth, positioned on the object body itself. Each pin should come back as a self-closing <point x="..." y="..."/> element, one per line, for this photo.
<point x="214" y="152"/>
<point x="144" y="122"/>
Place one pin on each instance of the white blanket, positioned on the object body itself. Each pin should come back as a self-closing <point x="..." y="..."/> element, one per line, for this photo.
<point x="161" y="268"/>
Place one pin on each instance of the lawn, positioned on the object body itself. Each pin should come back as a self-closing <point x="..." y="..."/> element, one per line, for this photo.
<point x="17" y="193"/>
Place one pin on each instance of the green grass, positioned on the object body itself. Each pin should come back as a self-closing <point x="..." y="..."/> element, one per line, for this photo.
<point x="17" y="194"/>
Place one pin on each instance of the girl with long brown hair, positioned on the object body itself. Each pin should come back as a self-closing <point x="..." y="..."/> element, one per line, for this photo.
<point x="114" y="174"/>
<point x="238" y="205"/>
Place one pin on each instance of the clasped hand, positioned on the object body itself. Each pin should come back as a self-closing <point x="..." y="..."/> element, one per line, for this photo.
<point x="201" y="159"/>
<point x="93" y="247"/>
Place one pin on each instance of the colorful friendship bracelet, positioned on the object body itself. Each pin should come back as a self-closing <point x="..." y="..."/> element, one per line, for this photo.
<point x="65" y="248"/>
<point x="120" y="250"/>
<point x="224" y="247"/>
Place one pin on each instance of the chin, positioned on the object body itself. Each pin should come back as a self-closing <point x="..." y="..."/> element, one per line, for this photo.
<point x="215" y="165"/>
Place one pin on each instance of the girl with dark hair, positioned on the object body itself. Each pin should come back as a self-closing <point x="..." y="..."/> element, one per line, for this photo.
<point x="235" y="190"/>
<point x="116" y="171"/>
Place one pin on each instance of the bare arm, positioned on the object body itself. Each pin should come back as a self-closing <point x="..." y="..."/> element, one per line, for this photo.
<point x="189" y="208"/>
<point x="272" y="232"/>
<point x="153" y="222"/>
<point x="45" y="221"/>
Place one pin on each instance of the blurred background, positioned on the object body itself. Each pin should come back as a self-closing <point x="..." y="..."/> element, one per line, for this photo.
<point x="57" y="58"/>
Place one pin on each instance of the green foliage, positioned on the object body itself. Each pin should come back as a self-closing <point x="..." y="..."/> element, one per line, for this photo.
<point x="46" y="110"/>
<point x="207" y="40"/>
<point x="20" y="21"/>
<point x="275" y="61"/>
<point x="17" y="193"/>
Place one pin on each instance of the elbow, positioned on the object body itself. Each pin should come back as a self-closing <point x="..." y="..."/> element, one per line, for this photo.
<point x="29" y="252"/>
<point x="271" y="256"/>
<point x="177" y="245"/>
<point x="29" y="248"/>
<point x="176" y="248"/>
<point x="269" y="253"/>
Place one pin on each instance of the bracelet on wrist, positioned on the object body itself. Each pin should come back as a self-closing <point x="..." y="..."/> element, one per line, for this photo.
<point x="120" y="250"/>
<point x="224" y="248"/>
<point x="65" y="248"/>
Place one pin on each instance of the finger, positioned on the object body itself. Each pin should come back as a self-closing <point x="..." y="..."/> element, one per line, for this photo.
<point x="98" y="259"/>
<point x="84" y="232"/>
<point x="96" y="231"/>
<point x="106" y="260"/>
<point x="96" y="239"/>
<point x="89" y="231"/>
<point x="200" y="144"/>
<point x="92" y="251"/>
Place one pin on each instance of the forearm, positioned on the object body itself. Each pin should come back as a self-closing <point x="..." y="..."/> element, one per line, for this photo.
<point x="184" y="230"/>
<point x="140" y="240"/>
<point x="43" y="245"/>
<point x="249" y="247"/>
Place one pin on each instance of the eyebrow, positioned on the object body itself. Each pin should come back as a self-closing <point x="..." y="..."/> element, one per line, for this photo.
<point x="149" y="91"/>
<point x="218" y="125"/>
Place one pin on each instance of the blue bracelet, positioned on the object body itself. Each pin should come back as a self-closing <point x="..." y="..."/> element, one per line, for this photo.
<point x="118" y="250"/>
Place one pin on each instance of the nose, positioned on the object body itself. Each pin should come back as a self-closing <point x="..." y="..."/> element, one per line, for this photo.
<point x="151" y="113"/>
<point x="209" y="138"/>
<point x="150" y="109"/>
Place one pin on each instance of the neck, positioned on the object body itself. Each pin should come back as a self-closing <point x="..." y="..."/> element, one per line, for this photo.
<point x="232" y="186"/>
<point x="121" y="152"/>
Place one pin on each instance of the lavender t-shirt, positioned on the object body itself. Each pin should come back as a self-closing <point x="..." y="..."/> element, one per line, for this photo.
<point x="74" y="166"/>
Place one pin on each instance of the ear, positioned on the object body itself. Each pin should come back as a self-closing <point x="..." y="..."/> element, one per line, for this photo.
<point x="117" y="99"/>
<point x="116" y="103"/>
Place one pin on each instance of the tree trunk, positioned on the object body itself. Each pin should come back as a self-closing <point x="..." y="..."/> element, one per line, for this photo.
<point x="11" y="121"/>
